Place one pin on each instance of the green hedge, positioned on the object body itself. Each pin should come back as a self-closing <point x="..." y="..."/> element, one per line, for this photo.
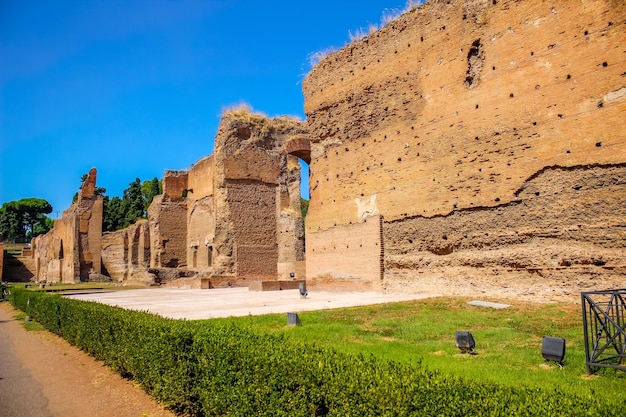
<point x="201" y="369"/>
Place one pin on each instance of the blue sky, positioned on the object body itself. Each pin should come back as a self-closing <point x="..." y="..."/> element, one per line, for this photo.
<point x="136" y="87"/>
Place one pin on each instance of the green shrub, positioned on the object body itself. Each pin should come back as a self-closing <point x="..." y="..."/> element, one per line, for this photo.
<point x="218" y="368"/>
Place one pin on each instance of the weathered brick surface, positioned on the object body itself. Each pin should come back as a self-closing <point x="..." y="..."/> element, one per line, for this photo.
<point x="71" y="250"/>
<point x="443" y="119"/>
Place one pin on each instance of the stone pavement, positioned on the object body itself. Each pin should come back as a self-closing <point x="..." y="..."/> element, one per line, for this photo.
<point x="195" y="304"/>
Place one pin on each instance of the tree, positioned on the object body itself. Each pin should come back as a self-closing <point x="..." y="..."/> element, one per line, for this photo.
<point x="149" y="189"/>
<point x="24" y="219"/>
<point x="113" y="217"/>
<point x="133" y="203"/>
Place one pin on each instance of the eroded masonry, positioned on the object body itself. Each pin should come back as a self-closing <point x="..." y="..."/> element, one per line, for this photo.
<point x="472" y="144"/>
<point x="233" y="218"/>
<point x="466" y="144"/>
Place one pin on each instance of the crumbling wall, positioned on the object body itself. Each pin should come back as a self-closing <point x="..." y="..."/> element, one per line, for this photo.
<point x="347" y="257"/>
<point x="168" y="232"/>
<point x="71" y="251"/>
<point x="126" y="253"/>
<point x="201" y="215"/>
<point x="451" y="110"/>
<point x="254" y="189"/>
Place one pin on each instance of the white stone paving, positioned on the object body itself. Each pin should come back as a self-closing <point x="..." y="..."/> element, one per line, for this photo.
<point x="194" y="304"/>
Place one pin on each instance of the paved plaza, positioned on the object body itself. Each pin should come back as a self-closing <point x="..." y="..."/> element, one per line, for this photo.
<point x="195" y="304"/>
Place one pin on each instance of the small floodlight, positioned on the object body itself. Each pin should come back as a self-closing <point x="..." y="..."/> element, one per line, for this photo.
<point x="465" y="341"/>
<point x="553" y="349"/>
<point x="293" y="319"/>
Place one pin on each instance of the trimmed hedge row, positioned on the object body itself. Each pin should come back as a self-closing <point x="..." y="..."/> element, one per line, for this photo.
<point x="218" y="369"/>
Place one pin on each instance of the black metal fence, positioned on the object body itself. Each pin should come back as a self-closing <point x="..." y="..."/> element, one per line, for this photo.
<point x="604" y="322"/>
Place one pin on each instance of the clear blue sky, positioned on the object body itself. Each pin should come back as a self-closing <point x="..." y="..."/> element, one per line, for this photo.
<point x="135" y="87"/>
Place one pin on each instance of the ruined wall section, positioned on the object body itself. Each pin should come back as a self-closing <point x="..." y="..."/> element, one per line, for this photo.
<point x="566" y="228"/>
<point x="168" y="232"/>
<point x="347" y="257"/>
<point x="454" y="108"/>
<point x="291" y="247"/>
<point x="439" y="110"/>
<point x="126" y="254"/>
<point x="201" y="215"/>
<point x="250" y="188"/>
<point x="71" y="251"/>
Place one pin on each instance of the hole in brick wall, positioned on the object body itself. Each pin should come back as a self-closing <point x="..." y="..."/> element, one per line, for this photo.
<point x="464" y="16"/>
<point x="421" y="38"/>
<point x="605" y="64"/>
<point x="534" y="123"/>
<point x="568" y="76"/>
<point x="600" y="105"/>
<point x="537" y="193"/>
<point x="586" y="32"/>
<point x="474" y="64"/>
<point x="598" y="144"/>
<point x="567" y="151"/>
<point x="511" y="95"/>
<point x="493" y="68"/>
<point x="399" y="159"/>
<point x="532" y="53"/>
<point x="537" y="87"/>
<point x="497" y="199"/>
<point x="560" y="116"/>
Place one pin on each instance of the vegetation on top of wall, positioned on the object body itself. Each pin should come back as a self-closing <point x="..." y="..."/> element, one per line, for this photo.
<point x="388" y="16"/>
<point x="218" y="368"/>
<point x="244" y="113"/>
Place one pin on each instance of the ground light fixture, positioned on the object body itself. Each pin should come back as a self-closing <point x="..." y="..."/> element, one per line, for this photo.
<point x="465" y="341"/>
<point x="293" y="319"/>
<point x="553" y="349"/>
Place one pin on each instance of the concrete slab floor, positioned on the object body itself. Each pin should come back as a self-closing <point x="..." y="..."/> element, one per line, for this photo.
<point x="194" y="304"/>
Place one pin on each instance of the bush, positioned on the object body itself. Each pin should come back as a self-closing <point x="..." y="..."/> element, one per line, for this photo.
<point x="221" y="369"/>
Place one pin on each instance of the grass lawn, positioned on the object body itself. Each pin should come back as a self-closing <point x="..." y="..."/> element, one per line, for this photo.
<point x="508" y="341"/>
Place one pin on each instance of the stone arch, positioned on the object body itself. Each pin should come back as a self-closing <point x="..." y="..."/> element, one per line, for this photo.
<point x="300" y="147"/>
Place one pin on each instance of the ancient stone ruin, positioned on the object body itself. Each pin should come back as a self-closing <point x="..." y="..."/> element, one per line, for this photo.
<point x="472" y="146"/>
<point x="232" y="219"/>
<point x="466" y="146"/>
<point x="70" y="252"/>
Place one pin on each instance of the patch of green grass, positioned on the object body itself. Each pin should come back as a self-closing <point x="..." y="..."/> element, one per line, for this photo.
<point x="30" y="325"/>
<point x="508" y="341"/>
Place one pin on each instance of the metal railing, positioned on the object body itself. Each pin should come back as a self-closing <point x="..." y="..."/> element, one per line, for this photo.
<point x="604" y="322"/>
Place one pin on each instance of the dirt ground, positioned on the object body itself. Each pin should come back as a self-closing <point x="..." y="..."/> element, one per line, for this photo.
<point x="75" y="384"/>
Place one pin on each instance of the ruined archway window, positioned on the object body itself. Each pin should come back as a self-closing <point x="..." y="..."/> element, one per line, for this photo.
<point x="210" y="256"/>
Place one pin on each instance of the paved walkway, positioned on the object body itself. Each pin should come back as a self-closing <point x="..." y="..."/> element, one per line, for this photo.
<point x="196" y="304"/>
